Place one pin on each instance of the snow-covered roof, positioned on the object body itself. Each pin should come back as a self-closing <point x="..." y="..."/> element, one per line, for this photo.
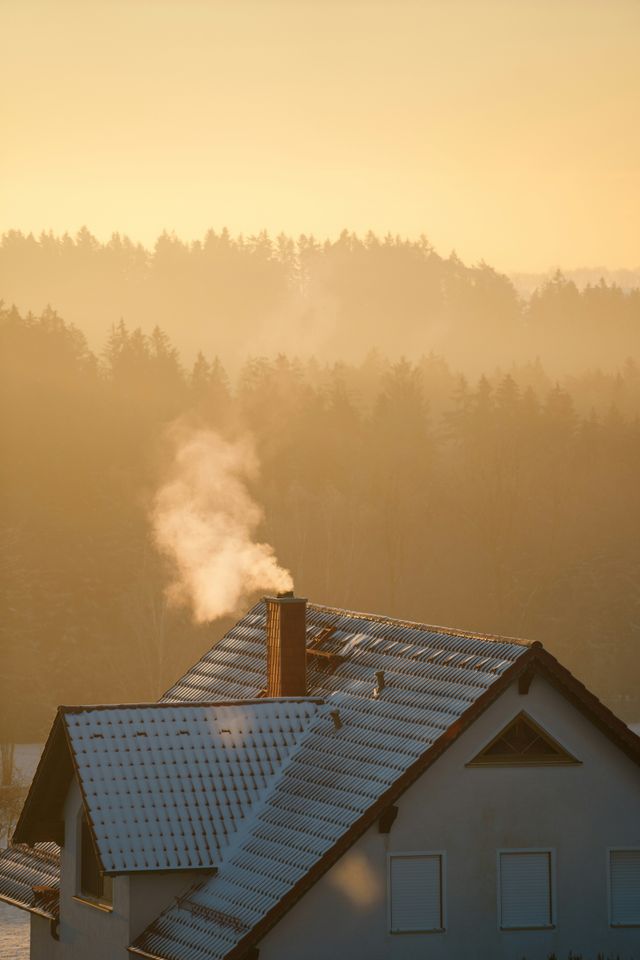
<point x="23" y="868"/>
<point x="166" y="785"/>
<point x="436" y="661"/>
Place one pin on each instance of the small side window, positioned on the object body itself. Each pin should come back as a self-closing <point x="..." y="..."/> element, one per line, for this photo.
<point x="624" y="887"/>
<point x="93" y="883"/>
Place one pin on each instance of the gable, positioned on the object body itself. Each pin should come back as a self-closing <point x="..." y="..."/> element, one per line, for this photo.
<point x="42" y="816"/>
<point x="467" y="815"/>
<point x="522" y="743"/>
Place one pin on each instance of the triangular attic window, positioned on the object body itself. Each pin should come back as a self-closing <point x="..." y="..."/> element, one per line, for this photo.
<point x="522" y="743"/>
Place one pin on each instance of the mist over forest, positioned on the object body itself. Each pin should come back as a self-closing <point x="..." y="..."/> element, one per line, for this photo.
<point x="335" y="300"/>
<point x="433" y="446"/>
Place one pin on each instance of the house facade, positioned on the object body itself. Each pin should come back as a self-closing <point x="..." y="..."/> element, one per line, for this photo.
<point x="325" y="782"/>
<point x="558" y="825"/>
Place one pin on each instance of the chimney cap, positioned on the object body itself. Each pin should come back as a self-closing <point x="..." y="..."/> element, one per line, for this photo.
<point x="287" y="596"/>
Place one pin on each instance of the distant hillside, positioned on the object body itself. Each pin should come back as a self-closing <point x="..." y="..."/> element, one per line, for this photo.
<point x="237" y="296"/>
<point x="526" y="283"/>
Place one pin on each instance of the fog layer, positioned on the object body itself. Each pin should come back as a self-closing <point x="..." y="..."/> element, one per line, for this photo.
<point x="235" y="296"/>
<point x="506" y="503"/>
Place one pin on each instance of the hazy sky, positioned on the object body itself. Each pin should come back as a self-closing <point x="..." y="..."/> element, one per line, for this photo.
<point x="508" y="129"/>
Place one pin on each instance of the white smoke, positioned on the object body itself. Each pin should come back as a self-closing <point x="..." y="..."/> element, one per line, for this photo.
<point x="204" y="521"/>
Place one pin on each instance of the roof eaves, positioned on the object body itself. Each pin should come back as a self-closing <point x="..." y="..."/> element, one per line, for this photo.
<point x="210" y="869"/>
<point x="39" y="912"/>
<point x="589" y="704"/>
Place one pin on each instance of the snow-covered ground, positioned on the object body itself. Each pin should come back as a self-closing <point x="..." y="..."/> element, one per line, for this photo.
<point x="14" y="933"/>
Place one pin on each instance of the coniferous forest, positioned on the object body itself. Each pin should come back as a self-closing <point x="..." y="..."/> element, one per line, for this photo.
<point x="236" y="296"/>
<point x="476" y="463"/>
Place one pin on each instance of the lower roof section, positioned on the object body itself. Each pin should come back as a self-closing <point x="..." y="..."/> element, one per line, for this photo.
<point x="22" y="868"/>
<point x="165" y="786"/>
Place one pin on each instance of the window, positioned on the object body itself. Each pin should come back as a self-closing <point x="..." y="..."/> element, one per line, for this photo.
<point x="522" y="743"/>
<point x="93" y="883"/>
<point x="415" y="892"/>
<point x="525" y="889"/>
<point x="624" y="888"/>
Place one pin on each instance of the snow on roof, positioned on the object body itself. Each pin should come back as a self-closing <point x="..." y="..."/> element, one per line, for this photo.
<point x="236" y="666"/>
<point x="337" y="773"/>
<point x="23" y="868"/>
<point x="166" y="786"/>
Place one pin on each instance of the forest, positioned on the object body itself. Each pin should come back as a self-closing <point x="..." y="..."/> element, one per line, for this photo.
<point x="506" y="501"/>
<point x="335" y="300"/>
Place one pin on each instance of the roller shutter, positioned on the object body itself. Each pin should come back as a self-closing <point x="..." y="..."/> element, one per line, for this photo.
<point x="525" y="889"/>
<point x="624" y="867"/>
<point x="415" y="882"/>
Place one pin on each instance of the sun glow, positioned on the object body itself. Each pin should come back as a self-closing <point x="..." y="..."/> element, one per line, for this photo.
<point x="503" y="130"/>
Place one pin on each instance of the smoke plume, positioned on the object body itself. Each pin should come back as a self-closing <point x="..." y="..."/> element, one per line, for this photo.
<point x="204" y="521"/>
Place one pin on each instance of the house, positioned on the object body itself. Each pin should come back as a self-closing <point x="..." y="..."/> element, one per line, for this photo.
<point x="327" y="783"/>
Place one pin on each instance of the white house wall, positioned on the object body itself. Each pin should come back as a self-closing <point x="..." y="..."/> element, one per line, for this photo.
<point x="42" y="944"/>
<point x="471" y="813"/>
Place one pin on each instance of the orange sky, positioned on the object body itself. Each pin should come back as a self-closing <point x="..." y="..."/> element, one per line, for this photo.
<point x="508" y="129"/>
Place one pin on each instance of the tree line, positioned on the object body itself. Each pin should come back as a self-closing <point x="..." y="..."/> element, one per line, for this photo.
<point x="507" y="503"/>
<point x="333" y="298"/>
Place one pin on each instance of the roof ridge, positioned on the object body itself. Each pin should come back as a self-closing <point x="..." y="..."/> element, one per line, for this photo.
<point x="65" y="709"/>
<point x="432" y="628"/>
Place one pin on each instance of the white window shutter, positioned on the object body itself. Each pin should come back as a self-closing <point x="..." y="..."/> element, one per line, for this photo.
<point x="624" y="866"/>
<point x="416" y="892"/>
<point x="525" y="889"/>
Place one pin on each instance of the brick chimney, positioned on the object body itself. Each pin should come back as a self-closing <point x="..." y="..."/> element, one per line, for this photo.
<point x="286" y="646"/>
